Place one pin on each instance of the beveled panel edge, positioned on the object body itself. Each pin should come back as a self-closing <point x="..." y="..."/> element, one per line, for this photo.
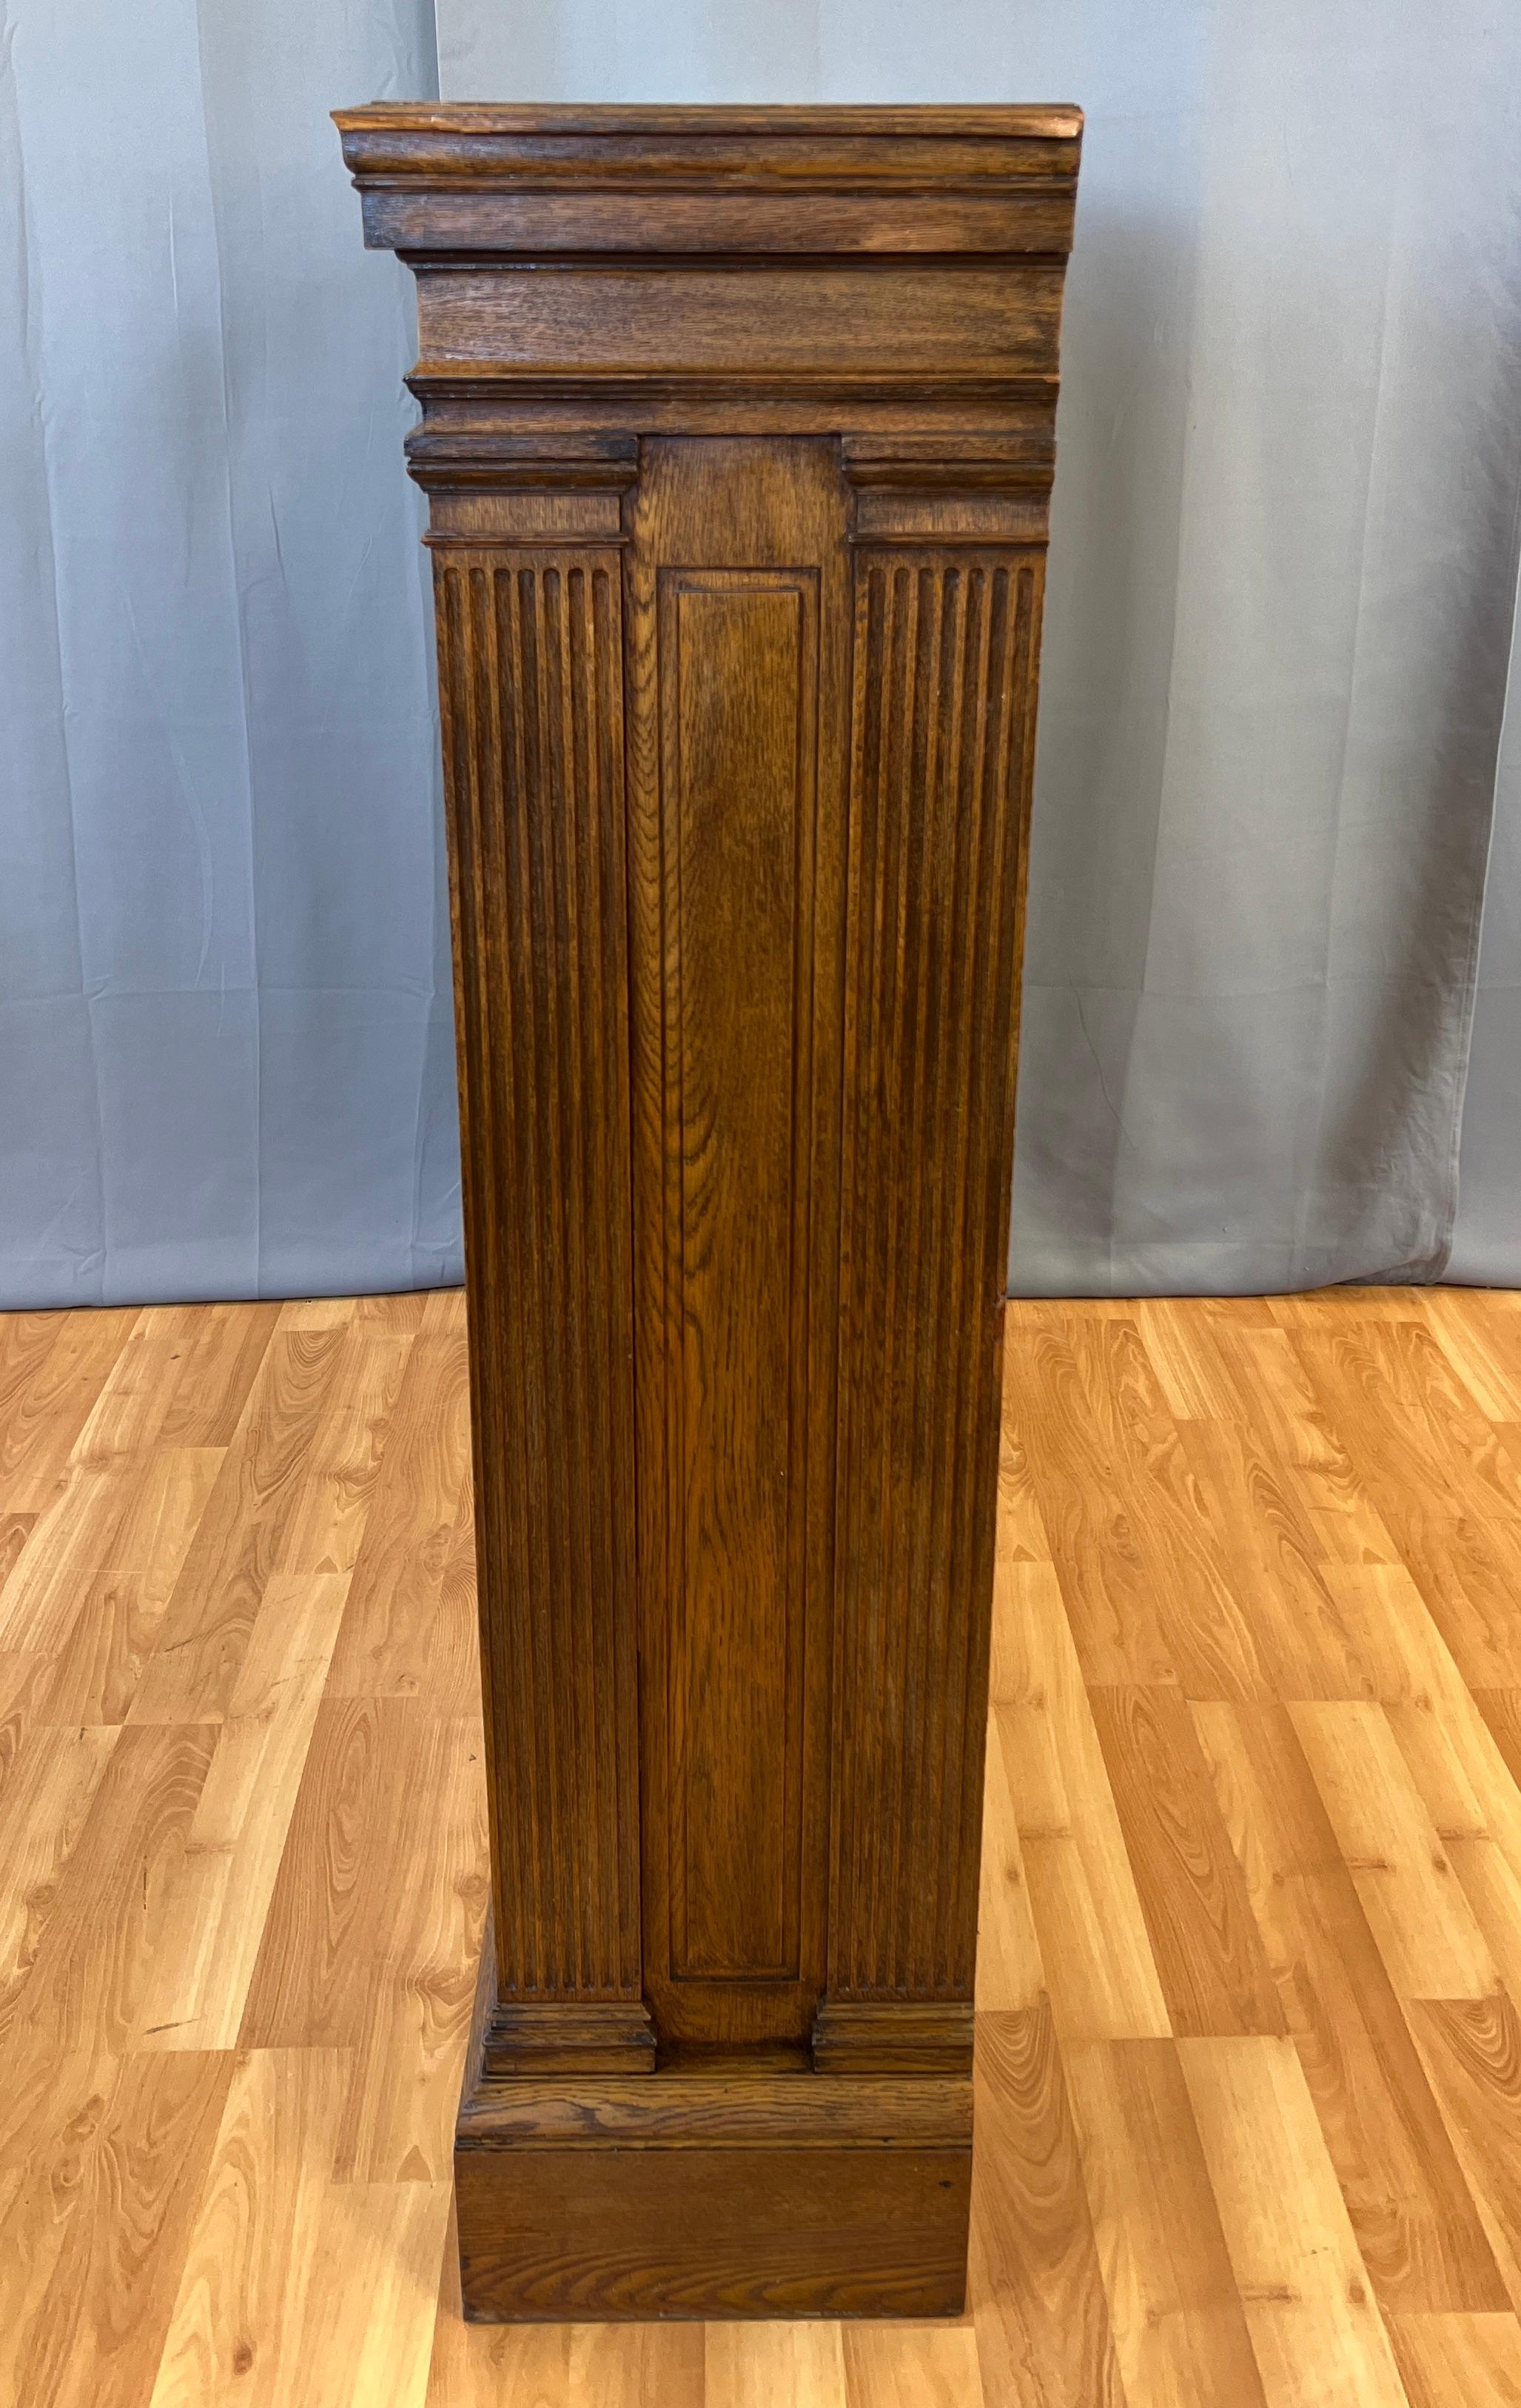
<point x="803" y="581"/>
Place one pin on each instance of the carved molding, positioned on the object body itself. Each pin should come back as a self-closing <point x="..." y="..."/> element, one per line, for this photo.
<point x="910" y="2036"/>
<point x="530" y="676"/>
<point x="945" y="655"/>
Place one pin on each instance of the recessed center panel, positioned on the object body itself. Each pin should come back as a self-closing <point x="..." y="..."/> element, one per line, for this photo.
<point x="734" y="619"/>
<point x="738" y="677"/>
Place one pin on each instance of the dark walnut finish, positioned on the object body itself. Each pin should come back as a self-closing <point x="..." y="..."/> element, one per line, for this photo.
<point x="738" y="431"/>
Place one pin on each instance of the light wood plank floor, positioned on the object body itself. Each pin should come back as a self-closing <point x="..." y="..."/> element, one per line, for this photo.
<point x="1250" y="2117"/>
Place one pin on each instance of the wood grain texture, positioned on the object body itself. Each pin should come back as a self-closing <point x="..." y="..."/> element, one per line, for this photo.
<point x="739" y="525"/>
<point x="221" y="1891"/>
<point x="1094" y="1948"/>
<point x="407" y="1616"/>
<point x="530" y="653"/>
<point x="1035" y="2284"/>
<point x="54" y="1368"/>
<point x="110" y="2153"/>
<point x="1209" y="1957"/>
<point x="1458" y="2362"/>
<point x="1471" y="2049"/>
<point x="746" y="2366"/>
<point x="558" y="2366"/>
<point x="935" y="2366"/>
<point x="737" y="720"/>
<point x="1179" y="2321"/>
<point x="1310" y="2312"/>
<point x="239" y="1538"/>
<point x="945" y="655"/>
<point x="712" y="2231"/>
<point x="182" y="2225"/>
<point x="1421" y="2237"/>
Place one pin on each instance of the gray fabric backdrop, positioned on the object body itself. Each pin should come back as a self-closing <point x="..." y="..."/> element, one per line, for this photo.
<point x="1283" y="576"/>
<point x="1487" y="1247"/>
<point x="224" y="1028"/>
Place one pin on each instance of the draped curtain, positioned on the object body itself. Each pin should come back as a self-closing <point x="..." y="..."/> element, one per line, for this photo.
<point x="225" y="1049"/>
<point x="1263" y="1044"/>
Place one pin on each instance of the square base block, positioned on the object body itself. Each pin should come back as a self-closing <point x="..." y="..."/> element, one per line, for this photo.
<point x="683" y="2196"/>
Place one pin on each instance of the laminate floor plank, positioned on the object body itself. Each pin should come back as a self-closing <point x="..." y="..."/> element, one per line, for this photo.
<point x="1275" y="1550"/>
<point x="1208" y="1951"/>
<point x="162" y="1517"/>
<point x="323" y="1938"/>
<point x="94" y="1675"/>
<point x="1035" y="2288"/>
<point x="1180" y="2326"/>
<point x="98" y="1953"/>
<point x="1309" y="2309"/>
<point x="51" y="1373"/>
<point x="22" y="1679"/>
<point x="565" y="2365"/>
<point x="1095" y="1947"/>
<point x="1458" y="2362"/>
<point x="911" y="2366"/>
<point x="409" y="2061"/>
<point x="15" y="1529"/>
<point x="215" y="1915"/>
<point x="133" y="1405"/>
<point x="104" y="2160"/>
<point x="326" y="1525"/>
<point x="1022" y="1533"/>
<point x="1145" y="1564"/>
<point x="774" y="2366"/>
<point x="1329" y="1308"/>
<point x="300" y="2291"/>
<point x="409" y="1628"/>
<point x="47" y="1789"/>
<point x="317" y="1313"/>
<point x="1424" y="1926"/>
<point x="1473" y="2052"/>
<point x="1249" y="2060"/>
<point x="1483" y="1346"/>
<point x="1411" y="1424"/>
<point x="224" y="1345"/>
<point x="1501" y="1711"/>
<point x="70" y="1543"/>
<point x="1094" y="1428"/>
<point x="351" y="1956"/>
<point x="238" y="1537"/>
<point x="1009" y="1974"/>
<point x="239" y="2320"/>
<point x="1467" y="1572"/>
<point x="1416" y="2223"/>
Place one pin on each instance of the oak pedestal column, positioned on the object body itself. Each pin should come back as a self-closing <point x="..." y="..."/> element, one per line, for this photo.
<point x="737" y="427"/>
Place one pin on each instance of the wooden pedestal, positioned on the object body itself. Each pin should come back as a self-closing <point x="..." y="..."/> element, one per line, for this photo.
<point x="738" y="433"/>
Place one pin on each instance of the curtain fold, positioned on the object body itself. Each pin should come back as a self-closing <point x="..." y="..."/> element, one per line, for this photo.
<point x="1487" y="1241"/>
<point x="226" y="1052"/>
<point x="1283" y="578"/>
<point x="1267" y="763"/>
<point x="1283" y="592"/>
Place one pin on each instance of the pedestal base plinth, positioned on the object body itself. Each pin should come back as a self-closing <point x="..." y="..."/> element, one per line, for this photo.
<point x="706" y="2195"/>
